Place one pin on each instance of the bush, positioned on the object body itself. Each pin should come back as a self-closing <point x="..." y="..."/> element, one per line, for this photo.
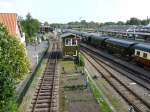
<point x="80" y="61"/>
<point x="14" y="65"/>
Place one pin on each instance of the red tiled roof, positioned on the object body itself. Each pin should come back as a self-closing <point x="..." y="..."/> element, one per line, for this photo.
<point x="9" y="20"/>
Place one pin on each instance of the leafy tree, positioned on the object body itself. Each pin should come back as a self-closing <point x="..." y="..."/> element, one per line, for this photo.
<point x="133" y="21"/>
<point x="109" y="23"/>
<point x="120" y="23"/>
<point x="145" y="21"/>
<point x="46" y="23"/>
<point x="14" y="65"/>
<point x="30" y="26"/>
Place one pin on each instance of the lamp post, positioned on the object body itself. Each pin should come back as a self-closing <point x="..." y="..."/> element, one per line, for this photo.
<point x="80" y="22"/>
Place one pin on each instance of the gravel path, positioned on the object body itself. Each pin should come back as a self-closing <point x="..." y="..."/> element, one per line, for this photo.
<point x="34" y="51"/>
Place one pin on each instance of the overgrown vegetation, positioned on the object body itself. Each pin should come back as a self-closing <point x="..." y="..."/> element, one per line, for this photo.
<point x="14" y="65"/>
<point x="80" y="61"/>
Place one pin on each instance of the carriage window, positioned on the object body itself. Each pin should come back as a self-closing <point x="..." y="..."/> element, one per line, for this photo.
<point x="144" y="55"/>
<point x="138" y="53"/>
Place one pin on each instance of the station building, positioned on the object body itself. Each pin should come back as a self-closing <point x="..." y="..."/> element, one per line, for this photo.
<point x="12" y="23"/>
<point x="70" y="45"/>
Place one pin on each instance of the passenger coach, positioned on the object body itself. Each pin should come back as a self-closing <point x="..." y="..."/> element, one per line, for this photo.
<point x="142" y="53"/>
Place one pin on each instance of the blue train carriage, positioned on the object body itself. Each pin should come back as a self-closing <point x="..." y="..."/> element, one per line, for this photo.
<point x="142" y="53"/>
<point x="70" y="45"/>
<point x="120" y="46"/>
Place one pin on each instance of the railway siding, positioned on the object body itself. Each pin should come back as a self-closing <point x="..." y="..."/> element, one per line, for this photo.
<point x="136" y="84"/>
<point x="135" y="69"/>
<point x="121" y="88"/>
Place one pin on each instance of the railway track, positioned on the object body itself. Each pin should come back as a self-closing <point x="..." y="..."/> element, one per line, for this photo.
<point x="122" y="89"/>
<point x="46" y="95"/>
<point x="143" y="76"/>
<point x="136" y="77"/>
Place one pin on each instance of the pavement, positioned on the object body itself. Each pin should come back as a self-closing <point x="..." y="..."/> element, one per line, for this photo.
<point x="34" y="51"/>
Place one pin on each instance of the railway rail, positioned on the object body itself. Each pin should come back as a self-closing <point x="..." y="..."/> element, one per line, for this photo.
<point x="46" y="95"/>
<point x="122" y="89"/>
<point x="140" y="79"/>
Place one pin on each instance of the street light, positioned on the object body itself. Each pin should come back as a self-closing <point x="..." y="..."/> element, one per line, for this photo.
<point x="80" y="22"/>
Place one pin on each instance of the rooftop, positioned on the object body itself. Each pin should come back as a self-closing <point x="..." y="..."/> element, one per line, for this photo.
<point x="9" y="20"/>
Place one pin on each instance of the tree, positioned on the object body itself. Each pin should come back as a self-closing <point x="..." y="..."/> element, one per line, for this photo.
<point x="133" y="21"/>
<point x="145" y="21"/>
<point x="30" y="26"/>
<point x="14" y="65"/>
<point x="109" y="23"/>
<point x="46" y="23"/>
<point x="120" y="23"/>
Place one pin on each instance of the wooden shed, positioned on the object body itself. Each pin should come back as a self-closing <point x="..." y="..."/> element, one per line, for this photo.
<point x="70" y="44"/>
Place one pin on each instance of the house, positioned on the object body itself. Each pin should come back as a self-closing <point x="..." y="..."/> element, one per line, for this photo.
<point x="45" y="28"/>
<point x="70" y="44"/>
<point x="12" y="23"/>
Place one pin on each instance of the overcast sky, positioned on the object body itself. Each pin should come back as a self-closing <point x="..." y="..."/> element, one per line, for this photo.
<point x="63" y="11"/>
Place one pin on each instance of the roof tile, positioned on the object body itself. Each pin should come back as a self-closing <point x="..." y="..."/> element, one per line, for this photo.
<point x="9" y="20"/>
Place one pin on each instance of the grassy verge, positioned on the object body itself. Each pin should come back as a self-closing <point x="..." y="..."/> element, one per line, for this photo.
<point x="97" y="93"/>
<point x="115" y="101"/>
<point x="99" y="97"/>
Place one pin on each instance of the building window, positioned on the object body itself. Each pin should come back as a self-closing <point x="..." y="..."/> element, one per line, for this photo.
<point x="74" y="42"/>
<point x="144" y="55"/>
<point x="67" y="41"/>
<point x="138" y="53"/>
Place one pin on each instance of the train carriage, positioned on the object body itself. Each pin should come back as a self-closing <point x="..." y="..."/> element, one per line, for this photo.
<point x="142" y="53"/>
<point x="120" y="46"/>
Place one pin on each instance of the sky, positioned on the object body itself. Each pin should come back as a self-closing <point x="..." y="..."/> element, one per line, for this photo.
<point x="63" y="11"/>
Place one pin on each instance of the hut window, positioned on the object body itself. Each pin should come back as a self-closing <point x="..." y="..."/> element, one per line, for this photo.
<point x="138" y="53"/>
<point x="74" y="42"/>
<point x="67" y="41"/>
<point x="144" y="55"/>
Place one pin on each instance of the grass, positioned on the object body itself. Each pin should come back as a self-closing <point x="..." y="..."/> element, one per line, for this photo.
<point x="113" y="99"/>
<point x="69" y="66"/>
<point x="99" y="97"/>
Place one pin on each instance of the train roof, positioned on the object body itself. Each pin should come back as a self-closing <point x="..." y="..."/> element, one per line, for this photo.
<point x="99" y="37"/>
<point x="120" y="42"/>
<point x="142" y="46"/>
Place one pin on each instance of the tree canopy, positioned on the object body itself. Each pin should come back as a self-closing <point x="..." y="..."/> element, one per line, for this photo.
<point x="30" y="26"/>
<point x="14" y="65"/>
<point x="133" y="21"/>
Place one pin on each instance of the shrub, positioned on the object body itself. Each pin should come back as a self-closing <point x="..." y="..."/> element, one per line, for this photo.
<point x="14" y="65"/>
